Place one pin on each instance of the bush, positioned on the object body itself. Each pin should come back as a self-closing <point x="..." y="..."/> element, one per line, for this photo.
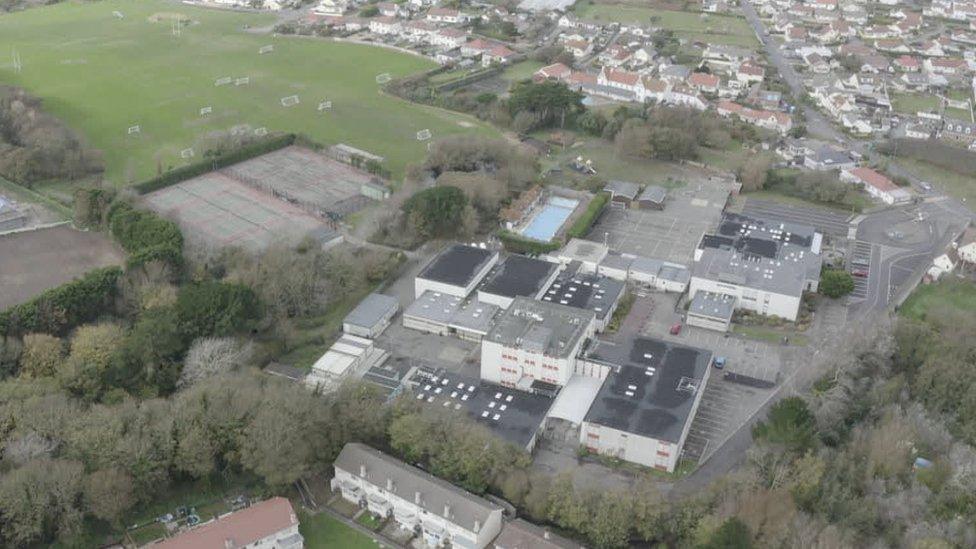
<point x="789" y="423"/>
<point x="246" y="152"/>
<point x="59" y="309"/>
<point x="215" y="309"/>
<point x="145" y="235"/>
<point x="583" y="224"/>
<point x="836" y="283"/>
<point x="436" y="212"/>
<point x="518" y="244"/>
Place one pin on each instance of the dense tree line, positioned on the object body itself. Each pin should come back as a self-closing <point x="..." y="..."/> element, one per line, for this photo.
<point x="35" y="146"/>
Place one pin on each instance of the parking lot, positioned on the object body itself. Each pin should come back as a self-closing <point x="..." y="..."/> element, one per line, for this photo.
<point x="861" y="253"/>
<point x="670" y="234"/>
<point x="829" y="222"/>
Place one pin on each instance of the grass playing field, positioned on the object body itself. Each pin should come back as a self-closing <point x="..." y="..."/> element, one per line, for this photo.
<point x="102" y="74"/>
<point x="712" y="28"/>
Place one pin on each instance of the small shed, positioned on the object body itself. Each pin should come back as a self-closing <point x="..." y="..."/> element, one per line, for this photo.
<point x="652" y="198"/>
<point x="622" y="193"/>
<point x="371" y="316"/>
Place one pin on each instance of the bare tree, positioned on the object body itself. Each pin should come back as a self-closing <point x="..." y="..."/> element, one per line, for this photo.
<point x="211" y="356"/>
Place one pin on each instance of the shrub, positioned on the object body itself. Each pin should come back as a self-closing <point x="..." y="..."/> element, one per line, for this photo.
<point x="59" y="309"/>
<point x="583" y="224"/>
<point x="518" y="244"/>
<point x="145" y="235"/>
<point x="436" y="212"/>
<point x="215" y="309"/>
<point x="836" y="283"/>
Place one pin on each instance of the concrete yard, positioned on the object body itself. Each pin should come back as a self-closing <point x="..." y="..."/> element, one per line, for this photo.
<point x="34" y="261"/>
<point x="669" y="235"/>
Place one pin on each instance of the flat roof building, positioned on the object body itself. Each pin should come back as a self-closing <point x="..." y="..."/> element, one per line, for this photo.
<point x="442" y="513"/>
<point x="347" y="355"/>
<point x="711" y="311"/>
<point x="455" y="271"/>
<point x="514" y="276"/>
<point x="589" y="254"/>
<point x="766" y="266"/>
<point x="445" y="314"/>
<point x="515" y="416"/>
<point x="371" y="316"/>
<point x="644" y="410"/>
<point x="593" y="292"/>
<point x="535" y="341"/>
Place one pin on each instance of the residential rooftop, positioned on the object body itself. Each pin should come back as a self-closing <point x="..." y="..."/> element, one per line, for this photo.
<point x="237" y="529"/>
<point x="651" y="390"/>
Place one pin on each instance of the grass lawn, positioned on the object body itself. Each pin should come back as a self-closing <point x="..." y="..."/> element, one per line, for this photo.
<point x="958" y="114"/>
<point x="716" y="29"/>
<point x="956" y="185"/>
<point x="770" y="335"/>
<point x="321" y="531"/>
<point x="370" y="521"/>
<point x="522" y="71"/>
<point x="949" y="294"/>
<point x="860" y="201"/>
<point x="102" y="74"/>
<point x="608" y="164"/>
<point x="58" y="211"/>
<point x="911" y="103"/>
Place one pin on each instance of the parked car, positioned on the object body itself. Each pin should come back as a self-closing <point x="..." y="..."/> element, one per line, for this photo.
<point x="863" y="273"/>
<point x="676" y="328"/>
<point x="926" y="186"/>
<point x="719" y="362"/>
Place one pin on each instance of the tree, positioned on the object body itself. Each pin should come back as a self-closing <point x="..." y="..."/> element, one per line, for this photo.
<point x="790" y="423"/>
<point x="551" y="101"/>
<point x="93" y="348"/>
<point x="436" y="212"/>
<point x="732" y="534"/>
<point x="108" y="494"/>
<point x="41" y="356"/>
<point x="215" y="309"/>
<point x="211" y="356"/>
<point x="612" y="520"/>
<point x="836" y="283"/>
<point x="40" y="501"/>
<point x="754" y="172"/>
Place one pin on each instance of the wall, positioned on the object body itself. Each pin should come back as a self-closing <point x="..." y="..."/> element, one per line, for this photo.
<point x="765" y="303"/>
<point x="641" y="450"/>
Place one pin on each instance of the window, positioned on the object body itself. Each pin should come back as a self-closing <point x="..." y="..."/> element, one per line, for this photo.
<point x="663" y="453"/>
<point x="592" y="435"/>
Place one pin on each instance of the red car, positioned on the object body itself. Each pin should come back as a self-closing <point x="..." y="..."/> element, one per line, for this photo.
<point x="676" y="328"/>
<point x="863" y="273"/>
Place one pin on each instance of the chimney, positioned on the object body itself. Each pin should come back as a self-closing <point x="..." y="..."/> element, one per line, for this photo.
<point x="416" y="497"/>
<point x="447" y="510"/>
<point x="477" y="526"/>
<point x="362" y="470"/>
<point x="389" y="484"/>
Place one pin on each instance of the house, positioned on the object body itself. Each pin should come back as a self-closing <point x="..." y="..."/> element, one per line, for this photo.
<point x="389" y="9"/>
<point x="958" y="131"/>
<point x="456" y="271"/>
<point x="704" y="82"/>
<point x="449" y="38"/>
<point x="521" y="534"/>
<point x="444" y="15"/>
<point x="943" y="264"/>
<point x="535" y="342"/>
<point x="966" y="246"/>
<point x="750" y="73"/>
<point x="946" y="66"/>
<point x="764" y="265"/>
<point x="622" y="193"/>
<point x="417" y="501"/>
<point x="268" y="523"/>
<point x="907" y="63"/>
<point x="725" y="56"/>
<point x="876" y="185"/>
<point x="556" y="71"/>
<point x="384" y="25"/>
<point x="648" y="379"/>
<point x="371" y="316"/>
<point x="828" y="157"/>
<point x="498" y="55"/>
<point x="770" y="120"/>
<point x="617" y="78"/>
<point x="579" y="48"/>
<point x="331" y="7"/>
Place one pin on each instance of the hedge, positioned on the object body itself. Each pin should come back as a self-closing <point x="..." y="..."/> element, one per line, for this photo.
<point x="583" y="224"/>
<point x="518" y="244"/>
<point x="145" y="235"/>
<point x="246" y="152"/>
<point x="60" y="309"/>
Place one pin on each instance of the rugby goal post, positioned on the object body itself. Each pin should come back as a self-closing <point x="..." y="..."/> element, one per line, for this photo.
<point x="325" y="106"/>
<point x="289" y="101"/>
<point x="243" y="81"/>
<point x="261" y="132"/>
<point x="266" y="49"/>
<point x="118" y="14"/>
<point x="134" y="129"/>
<point x="383" y="78"/>
<point x="424" y="135"/>
<point x="222" y="81"/>
<point x="186" y="153"/>
<point x="204" y="111"/>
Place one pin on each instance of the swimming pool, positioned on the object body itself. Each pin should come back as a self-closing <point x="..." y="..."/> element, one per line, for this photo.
<point x="550" y="218"/>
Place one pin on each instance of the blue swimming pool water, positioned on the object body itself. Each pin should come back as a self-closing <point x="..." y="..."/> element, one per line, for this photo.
<point x="550" y="218"/>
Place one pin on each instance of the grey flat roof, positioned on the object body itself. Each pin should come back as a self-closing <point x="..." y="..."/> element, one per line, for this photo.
<point x="518" y="275"/>
<point x="676" y="273"/>
<point x="648" y="393"/>
<point x="519" y="414"/>
<point x="712" y="305"/>
<point x="591" y="292"/>
<point x="475" y="316"/>
<point x="774" y="256"/>
<point x="388" y="376"/>
<point x="457" y="265"/>
<point x="541" y="326"/>
<point x="435" y="494"/>
<point x="646" y="265"/>
<point x="584" y="250"/>
<point x="371" y="310"/>
<point x="449" y="310"/>
<point x="615" y="260"/>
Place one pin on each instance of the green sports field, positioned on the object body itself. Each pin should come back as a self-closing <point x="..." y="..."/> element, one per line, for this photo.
<point x="712" y="28"/>
<point x="102" y="74"/>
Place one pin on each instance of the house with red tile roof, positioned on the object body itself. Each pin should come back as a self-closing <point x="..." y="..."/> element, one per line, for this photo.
<point x="876" y="185"/>
<point x="704" y="82"/>
<point x="269" y="523"/>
